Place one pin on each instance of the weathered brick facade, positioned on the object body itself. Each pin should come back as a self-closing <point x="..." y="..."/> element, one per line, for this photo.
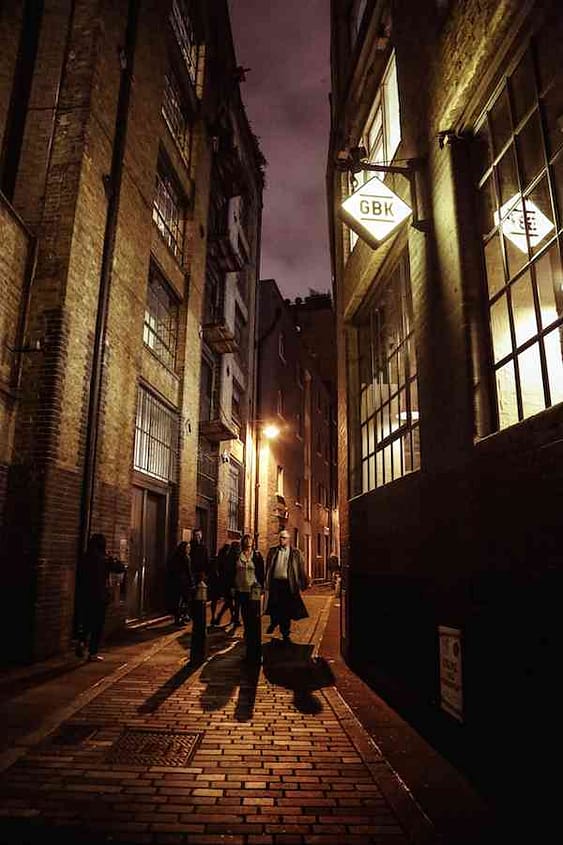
<point x="96" y="132"/>
<point x="470" y="538"/>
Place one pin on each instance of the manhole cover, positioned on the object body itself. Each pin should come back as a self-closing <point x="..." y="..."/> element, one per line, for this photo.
<point x="73" y="734"/>
<point x="149" y="747"/>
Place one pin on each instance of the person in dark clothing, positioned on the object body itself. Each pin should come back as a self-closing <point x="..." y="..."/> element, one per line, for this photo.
<point x="199" y="557"/>
<point x="285" y="578"/>
<point x="180" y="583"/>
<point x="230" y="601"/>
<point x="218" y="583"/>
<point x="93" y="594"/>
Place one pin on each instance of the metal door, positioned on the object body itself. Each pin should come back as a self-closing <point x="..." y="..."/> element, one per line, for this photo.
<point x="146" y="577"/>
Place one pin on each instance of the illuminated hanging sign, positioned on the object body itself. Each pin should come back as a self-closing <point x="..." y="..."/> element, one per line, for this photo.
<point x="374" y="212"/>
<point x="516" y="214"/>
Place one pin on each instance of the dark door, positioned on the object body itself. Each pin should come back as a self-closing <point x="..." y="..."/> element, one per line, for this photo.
<point x="146" y="576"/>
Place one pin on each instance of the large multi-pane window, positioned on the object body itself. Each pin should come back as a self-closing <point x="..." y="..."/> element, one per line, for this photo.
<point x="519" y="171"/>
<point x="168" y="209"/>
<point x="176" y="114"/>
<point x="161" y="319"/>
<point x="181" y="18"/>
<point x="156" y="437"/>
<point x="382" y="132"/>
<point x="387" y="444"/>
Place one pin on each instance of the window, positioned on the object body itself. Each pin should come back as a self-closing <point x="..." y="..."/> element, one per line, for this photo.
<point x="182" y="25"/>
<point x="279" y="481"/>
<point x="161" y="319"/>
<point x="518" y="166"/>
<point x="207" y="390"/>
<point x="385" y="444"/>
<point x="175" y="113"/>
<point x="281" y="346"/>
<point x="382" y="133"/>
<point x="279" y="403"/>
<point x="156" y="436"/>
<point x="236" y="402"/>
<point x="235" y="498"/>
<point x="168" y="209"/>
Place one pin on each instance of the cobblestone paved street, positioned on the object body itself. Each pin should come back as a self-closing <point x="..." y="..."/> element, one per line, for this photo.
<point x="224" y="753"/>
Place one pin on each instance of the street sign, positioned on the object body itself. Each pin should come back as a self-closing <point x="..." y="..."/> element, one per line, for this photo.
<point x="516" y="214"/>
<point x="374" y="211"/>
<point x="451" y="686"/>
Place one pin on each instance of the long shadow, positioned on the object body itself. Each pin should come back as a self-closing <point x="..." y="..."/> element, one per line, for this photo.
<point x="293" y="667"/>
<point x="226" y="672"/>
<point x="173" y="683"/>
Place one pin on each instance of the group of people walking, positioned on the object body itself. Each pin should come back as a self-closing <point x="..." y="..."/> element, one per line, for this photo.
<point x="232" y="574"/>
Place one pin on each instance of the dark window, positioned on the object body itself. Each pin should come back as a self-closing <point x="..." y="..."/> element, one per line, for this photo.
<point x="207" y="390"/>
<point x="181" y="18"/>
<point x="176" y="115"/>
<point x="156" y="436"/>
<point x="236" y="402"/>
<point x="161" y="319"/>
<point x="235" y="497"/>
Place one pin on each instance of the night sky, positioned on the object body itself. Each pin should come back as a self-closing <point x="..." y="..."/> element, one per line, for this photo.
<point x="286" y="45"/>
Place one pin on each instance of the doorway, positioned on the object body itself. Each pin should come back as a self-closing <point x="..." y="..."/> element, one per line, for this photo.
<point x="146" y="577"/>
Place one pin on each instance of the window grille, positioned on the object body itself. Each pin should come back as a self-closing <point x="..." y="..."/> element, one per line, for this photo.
<point x="175" y="113"/>
<point x="156" y="437"/>
<point x="168" y="210"/>
<point x="161" y="320"/>
<point x="182" y="26"/>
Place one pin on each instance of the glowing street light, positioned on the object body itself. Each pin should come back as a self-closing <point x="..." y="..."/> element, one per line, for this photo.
<point x="271" y="431"/>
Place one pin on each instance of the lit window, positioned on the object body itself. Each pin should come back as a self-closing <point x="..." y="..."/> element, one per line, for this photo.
<point x="161" y="319"/>
<point x="385" y="444"/>
<point x="518" y="167"/>
<point x="279" y="481"/>
<point x="181" y="18"/>
<point x="156" y="436"/>
<point x="168" y="209"/>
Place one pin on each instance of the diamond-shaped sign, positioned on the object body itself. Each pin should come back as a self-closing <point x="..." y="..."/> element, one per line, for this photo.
<point x="374" y="211"/>
<point x="515" y="215"/>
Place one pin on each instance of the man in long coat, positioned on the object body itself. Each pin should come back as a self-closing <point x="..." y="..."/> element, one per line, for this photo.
<point x="285" y="578"/>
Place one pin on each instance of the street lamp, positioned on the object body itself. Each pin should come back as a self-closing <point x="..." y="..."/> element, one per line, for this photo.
<point x="270" y="432"/>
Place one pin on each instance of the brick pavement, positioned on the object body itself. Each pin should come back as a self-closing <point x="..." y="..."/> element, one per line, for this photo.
<point x="280" y="758"/>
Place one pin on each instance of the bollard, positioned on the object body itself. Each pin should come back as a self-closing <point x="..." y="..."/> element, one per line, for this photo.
<point x="253" y="627"/>
<point x="198" y="651"/>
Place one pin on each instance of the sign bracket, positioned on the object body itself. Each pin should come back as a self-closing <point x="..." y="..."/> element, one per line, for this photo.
<point x="356" y="161"/>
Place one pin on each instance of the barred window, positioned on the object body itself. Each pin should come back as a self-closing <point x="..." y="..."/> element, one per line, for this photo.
<point x="387" y="443"/>
<point x="161" y="319"/>
<point x="156" y="437"/>
<point x="183" y="28"/>
<point x="168" y="209"/>
<point x="518" y="166"/>
<point x="175" y="113"/>
<point x="235" y="498"/>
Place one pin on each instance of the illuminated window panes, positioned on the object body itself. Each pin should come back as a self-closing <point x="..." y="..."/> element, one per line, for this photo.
<point x="500" y="328"/>
<point x="553" y="345"/>
<point x="487" y="206"/>
<point x="507" y="176"/>
<point x="494" y="265"/>
<point x="522" y="88"/>
<point x="536" y="204"/>
<point x="506" y="395"/>
<point x="530" y="150"/>
<point x="392" y="124"/>
<point x="553" y="109"/>
<point x="514" y="236"/>
<point x="523" y="311"/>
<point x="549" y="280"/>
<point x="501" y="126"/>
<point x="531" y="382"/>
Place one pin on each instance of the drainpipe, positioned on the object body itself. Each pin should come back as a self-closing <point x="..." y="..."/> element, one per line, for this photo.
<point x="113" y="190"/>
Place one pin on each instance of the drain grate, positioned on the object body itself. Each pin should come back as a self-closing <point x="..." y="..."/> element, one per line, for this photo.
<point x="150" y="747"/>
<point x="73" y="733"/>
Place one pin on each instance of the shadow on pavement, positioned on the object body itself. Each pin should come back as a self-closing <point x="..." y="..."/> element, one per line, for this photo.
<point x="293" y="667"/>
<point x="226" y="672"/>
<point x="167" y="689"/>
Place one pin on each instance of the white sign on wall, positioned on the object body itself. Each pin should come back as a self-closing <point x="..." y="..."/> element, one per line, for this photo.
<point x="516" y="214"/>
<point x="451" y="689"/>
<point x="374" y="211"/>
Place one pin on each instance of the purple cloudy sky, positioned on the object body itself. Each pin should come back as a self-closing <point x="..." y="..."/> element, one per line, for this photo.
<point x="286" y="45"/>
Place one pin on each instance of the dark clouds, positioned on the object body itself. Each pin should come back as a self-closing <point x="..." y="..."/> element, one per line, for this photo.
<point x="286" y="45"/>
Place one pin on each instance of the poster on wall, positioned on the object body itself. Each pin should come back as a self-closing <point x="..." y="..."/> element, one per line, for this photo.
<point x="451" y="688"/>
